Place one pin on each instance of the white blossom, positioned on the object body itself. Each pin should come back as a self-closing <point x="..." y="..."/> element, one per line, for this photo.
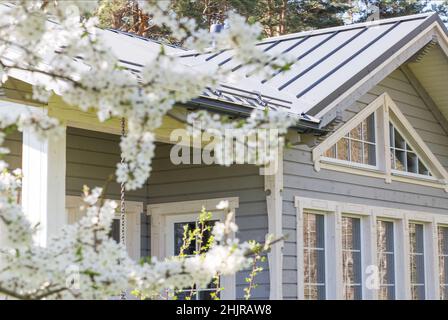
<point x="62" y="52"/>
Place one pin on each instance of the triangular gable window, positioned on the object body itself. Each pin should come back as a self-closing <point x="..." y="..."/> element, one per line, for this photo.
<point x="403" y="156"/>
<point x="358" y="145"/>
<point x="381" y="140"/>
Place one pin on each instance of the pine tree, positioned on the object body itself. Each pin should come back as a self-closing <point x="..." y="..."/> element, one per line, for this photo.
<point x="390" y="8"/>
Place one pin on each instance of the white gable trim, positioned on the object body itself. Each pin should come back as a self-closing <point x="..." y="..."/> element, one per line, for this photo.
<point x="416" y="142"/>
<point x="386" y="111"/>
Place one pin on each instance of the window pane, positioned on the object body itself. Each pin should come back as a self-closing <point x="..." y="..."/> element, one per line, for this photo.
<point x="178" y="238"/>
<point x="443" y="262"/>
<point x="356" y="152"/>
<point x="412" y="162"/>
<point x="351" y="257"/>
<point x="314" y="256"/>
<point x="343" y="151"/>
<point x="356" y="133"/>
<point x="417" y="264"/>
<point x="400" y="160"/>
<point x="368" y="128"/>
<point x="115" y="230"/>
<point x="422" y="168"/>
<point x="331" y="153"/>
<point x="386" y="259"/>
<point x="399" y="142"/>
<point x="369" y="154"/>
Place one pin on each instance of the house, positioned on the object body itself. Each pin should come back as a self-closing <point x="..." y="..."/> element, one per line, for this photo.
<point x="362" y="192"/>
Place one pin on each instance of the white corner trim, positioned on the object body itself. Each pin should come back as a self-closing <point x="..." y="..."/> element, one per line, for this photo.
<point x="161" y="212"/>
<point x="74" y="212"/>
<point x="273" y="186"/>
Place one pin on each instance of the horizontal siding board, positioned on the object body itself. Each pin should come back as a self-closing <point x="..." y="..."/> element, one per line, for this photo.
<point x="13" y="142"/>
<point x="92" y="157"/>
<point x="330" y="176"/>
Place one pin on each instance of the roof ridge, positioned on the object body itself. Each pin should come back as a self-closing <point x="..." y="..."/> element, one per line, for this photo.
<point x="132" y="35"/>
<point x="349" y="26"/>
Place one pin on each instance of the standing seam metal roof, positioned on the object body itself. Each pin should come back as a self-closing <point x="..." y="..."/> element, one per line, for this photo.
<point x="328" y="62"/>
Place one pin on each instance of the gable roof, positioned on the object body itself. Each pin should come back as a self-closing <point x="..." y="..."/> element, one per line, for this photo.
<point x="387" y="112"/>
<point x="333" y="66"/>
<point x="329" y="62"/>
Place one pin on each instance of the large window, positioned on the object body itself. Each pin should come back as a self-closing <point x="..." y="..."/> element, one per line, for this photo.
<point x="358" y="146"/>
<point x="168" y="222"/>
<point x="314" y="256"/>
<point x="195" y="246"/>
<point x="417" y="261"/>
<point x="386" y="259"/>
<point x="403" y="157"/>
<point x="351" y="258"/>
<point x="443" y="262"/>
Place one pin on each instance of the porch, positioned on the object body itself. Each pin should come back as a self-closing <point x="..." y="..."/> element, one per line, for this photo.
<point x="55" y="172"/>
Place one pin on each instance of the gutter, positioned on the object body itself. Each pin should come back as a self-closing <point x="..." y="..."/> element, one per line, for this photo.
<point x="304" y="124"/>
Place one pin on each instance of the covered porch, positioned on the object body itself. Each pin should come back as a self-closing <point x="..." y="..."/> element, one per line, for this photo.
<point x="55" y="172"/>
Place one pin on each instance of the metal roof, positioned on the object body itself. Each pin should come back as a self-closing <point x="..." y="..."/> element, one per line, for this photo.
<point x="328" y="61"/>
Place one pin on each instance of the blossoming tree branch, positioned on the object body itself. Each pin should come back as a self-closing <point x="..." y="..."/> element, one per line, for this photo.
<point x="57" y="45"/>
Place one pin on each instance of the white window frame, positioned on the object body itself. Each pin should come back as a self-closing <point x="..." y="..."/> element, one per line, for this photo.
<point x="369" y="215"/>
<point x="161" y="214"/>
<point x="386" y="111"/>
<point x="326" y="242"/>
<point x="133" y="222"/>
<point x="395" y="232"/>
<point x="361" y="251"/>
<point x="356" y="164"/>
<point x="424" y="254"/>
<point x="441" y="225"/>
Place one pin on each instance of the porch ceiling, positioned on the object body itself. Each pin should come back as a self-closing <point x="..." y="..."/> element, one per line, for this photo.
<point x="431" y="70"/>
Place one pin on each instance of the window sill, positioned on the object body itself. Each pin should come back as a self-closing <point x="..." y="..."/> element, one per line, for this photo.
<point x="373" y="172"/>
<point x="347" y="164"/>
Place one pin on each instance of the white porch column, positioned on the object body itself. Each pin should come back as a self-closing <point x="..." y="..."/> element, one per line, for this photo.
<point x="273" y="182"/>
<point x="43" y="185"/>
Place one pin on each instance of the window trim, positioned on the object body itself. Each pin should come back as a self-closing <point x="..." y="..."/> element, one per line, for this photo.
<point x="386" y="111"/>
<point x="324" y="249"/>
<point x="407" y="173"/>
<point x="369" y="215"/>
<point x="159" y="213"/>
<point x="133" y="221"/>
<point x="445" y="284"/>
<point x="357" y="164"/>
<point x="360" y="250"/>
<point x="395" y="240"/>
<point x="425" y="258"/>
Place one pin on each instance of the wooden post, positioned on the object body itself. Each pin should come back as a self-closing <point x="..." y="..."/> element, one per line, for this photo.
<point x="274" y="201"/>
<point x="43" y="185"/>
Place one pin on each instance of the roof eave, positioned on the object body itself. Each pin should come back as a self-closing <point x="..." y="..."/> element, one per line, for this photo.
<point x="301" y="125"/>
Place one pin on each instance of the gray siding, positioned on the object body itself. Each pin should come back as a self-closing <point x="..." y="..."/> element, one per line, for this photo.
<point x="14" y="143"/>
<point x="301" y="180"/>
<point x="92" y="157"/>
<point x="169" y="183"/>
